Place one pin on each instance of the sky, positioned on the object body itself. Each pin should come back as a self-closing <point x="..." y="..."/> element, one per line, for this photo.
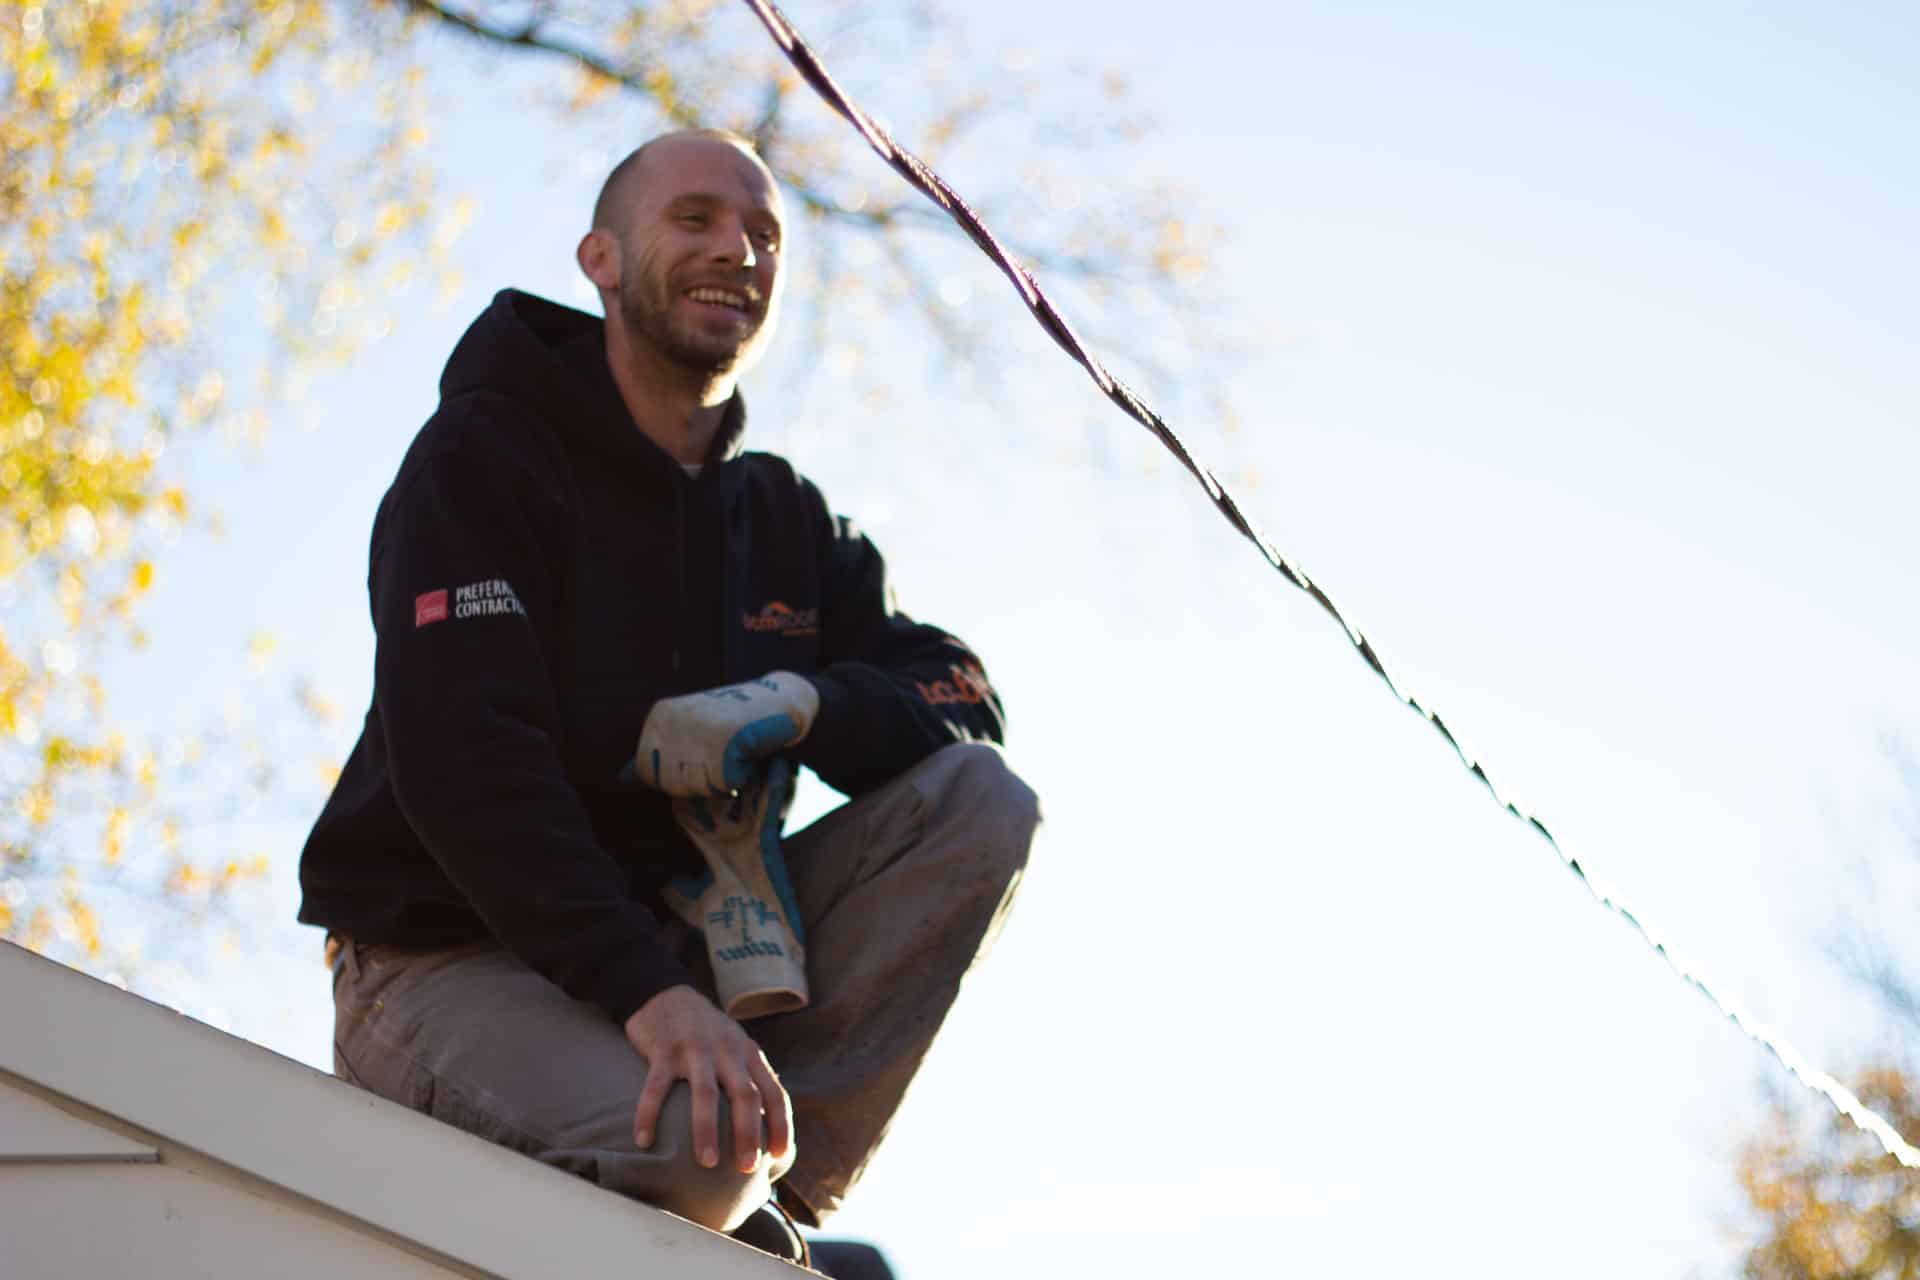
<point x="1579" y="370"/>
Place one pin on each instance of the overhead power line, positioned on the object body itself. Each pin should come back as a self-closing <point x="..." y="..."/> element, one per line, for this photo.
<point x="934" y="187"/>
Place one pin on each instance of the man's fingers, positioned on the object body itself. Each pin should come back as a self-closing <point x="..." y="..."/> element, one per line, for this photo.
<point x="676" y="772"/>
<point x="683" y="1036"/>
<point x="706" y="1117"/>
<point x="777" y="1106"/>
<point x="646" y="1113"/>
<point x="744" y="1099"/>
<point x="740" y="760"/>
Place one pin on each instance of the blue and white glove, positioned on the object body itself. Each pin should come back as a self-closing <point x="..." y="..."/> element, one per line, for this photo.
<point x="709" y="743"/>
<point x="744" y="904"/>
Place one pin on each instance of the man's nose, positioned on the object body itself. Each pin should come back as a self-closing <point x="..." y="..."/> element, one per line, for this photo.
<point x="735" y="245"/>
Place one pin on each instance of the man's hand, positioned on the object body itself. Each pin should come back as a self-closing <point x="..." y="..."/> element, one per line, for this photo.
<point x="683" y="1037"/>
<point x="706" y="744"/>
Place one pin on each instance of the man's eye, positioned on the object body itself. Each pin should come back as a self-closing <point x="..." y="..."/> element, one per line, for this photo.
<point x="693" y="219"/>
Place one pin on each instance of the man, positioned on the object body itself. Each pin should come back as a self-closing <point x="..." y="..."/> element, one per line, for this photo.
<point x="575" y="557"/>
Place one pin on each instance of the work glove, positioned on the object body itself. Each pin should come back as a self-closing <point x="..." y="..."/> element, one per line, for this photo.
<point x="707" y="744"/>
<point x="744" y="902"/>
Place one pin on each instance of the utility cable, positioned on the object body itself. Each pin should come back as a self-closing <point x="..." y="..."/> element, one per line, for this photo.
<point x="935" y="188"/>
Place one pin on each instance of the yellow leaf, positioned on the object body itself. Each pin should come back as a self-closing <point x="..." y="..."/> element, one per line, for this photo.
<point x="260" y="649"/>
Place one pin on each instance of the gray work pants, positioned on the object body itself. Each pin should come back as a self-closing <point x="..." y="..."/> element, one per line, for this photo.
<point x="902" y="891"/>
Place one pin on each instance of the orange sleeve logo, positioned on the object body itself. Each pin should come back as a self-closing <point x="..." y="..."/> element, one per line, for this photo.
<point x="968" y="685"/>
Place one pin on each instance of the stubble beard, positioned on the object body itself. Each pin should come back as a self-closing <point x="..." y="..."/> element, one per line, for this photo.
<point x="646" y="308"/>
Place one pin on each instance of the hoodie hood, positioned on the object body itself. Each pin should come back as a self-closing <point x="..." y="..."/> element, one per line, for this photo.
<point x="551" y="360"/>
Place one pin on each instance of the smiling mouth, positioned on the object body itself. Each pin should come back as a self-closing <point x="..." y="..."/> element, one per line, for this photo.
<point x="731" y="299"/>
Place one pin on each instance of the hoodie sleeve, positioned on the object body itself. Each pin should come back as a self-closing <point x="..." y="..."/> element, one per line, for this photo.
<point x="465" y="604"/>
<point x="892" y="690"/>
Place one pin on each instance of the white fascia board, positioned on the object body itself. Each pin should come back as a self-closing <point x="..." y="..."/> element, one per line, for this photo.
<point x="163" y="1222"/>
<point x="34" y="1131"/>
<point x="318" y="1138"/>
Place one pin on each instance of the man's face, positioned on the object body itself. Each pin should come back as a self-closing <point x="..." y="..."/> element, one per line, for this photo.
<point x="700" y="255"/>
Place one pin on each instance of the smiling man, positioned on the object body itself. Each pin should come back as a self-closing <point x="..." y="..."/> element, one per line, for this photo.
<point x="561" y="913"/>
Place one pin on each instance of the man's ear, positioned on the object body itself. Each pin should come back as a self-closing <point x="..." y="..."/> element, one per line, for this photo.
<point x="599" y="259"/>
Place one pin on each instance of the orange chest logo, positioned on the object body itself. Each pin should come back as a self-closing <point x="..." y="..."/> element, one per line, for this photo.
<point x="779" y="618"/>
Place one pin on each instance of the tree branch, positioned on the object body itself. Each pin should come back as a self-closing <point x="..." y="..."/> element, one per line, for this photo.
<point x="534" y="35"/>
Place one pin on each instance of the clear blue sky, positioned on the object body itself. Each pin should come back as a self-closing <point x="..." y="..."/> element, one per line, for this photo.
<point x="1581" y="370"/>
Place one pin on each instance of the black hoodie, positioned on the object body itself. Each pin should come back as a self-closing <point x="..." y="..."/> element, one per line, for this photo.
<point x="541" y="573"/>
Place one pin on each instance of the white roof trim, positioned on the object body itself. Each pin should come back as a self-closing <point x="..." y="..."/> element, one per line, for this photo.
<point x="33" y="1131"/>
<point x="399" y="1173"/>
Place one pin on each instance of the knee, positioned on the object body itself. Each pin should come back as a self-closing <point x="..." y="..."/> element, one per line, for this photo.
<point x="718" y="1199"/>
<point x="977" y="787"/>
<point x="975" y="777"/>
<point x="668" y="1176"/>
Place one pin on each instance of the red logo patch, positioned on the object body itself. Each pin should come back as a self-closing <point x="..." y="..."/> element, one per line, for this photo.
<point x="429" y="607"/>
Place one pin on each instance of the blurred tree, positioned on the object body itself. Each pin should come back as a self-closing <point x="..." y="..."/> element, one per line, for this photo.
<point x="1833" y="1205"/>
<point x="199" y="196"/>
<point x="157" y="161"/>
<point x="1827" y="1201"/>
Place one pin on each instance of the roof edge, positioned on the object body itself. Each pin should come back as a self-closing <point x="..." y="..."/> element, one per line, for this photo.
<point x="376" y="1162"/>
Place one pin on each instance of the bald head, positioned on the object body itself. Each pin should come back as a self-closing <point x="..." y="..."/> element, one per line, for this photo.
<point x="685" y="253"/>
<point x="624" y="184"/>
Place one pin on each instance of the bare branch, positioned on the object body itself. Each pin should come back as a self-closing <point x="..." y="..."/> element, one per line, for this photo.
<point x="536" y="36"/>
